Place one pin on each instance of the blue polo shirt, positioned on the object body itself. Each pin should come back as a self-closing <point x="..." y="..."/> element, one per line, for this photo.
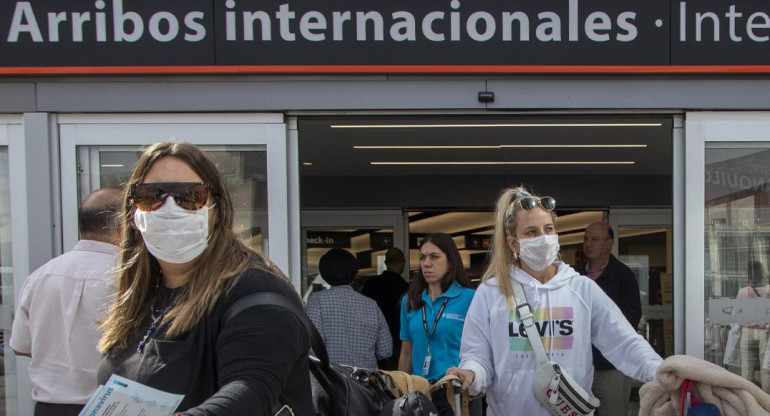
<point x="445" y="342"/>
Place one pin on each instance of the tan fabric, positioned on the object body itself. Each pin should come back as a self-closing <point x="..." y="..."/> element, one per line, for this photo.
<point x="400" y="383"/>
<point x="734" y="395"/>
<point x="450" y="393"/>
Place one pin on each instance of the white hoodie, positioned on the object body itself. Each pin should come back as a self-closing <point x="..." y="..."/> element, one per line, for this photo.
<point x="571" y="312"/>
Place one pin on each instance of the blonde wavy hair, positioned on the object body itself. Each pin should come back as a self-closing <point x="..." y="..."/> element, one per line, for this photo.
<point x="215" y="271"/>
<point x="501" y="256"/>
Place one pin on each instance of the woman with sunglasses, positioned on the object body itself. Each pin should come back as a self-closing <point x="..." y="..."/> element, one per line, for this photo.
<point x="570" y="312"/>
<point x="432" y="314"/>
<point x="182" y="268"/>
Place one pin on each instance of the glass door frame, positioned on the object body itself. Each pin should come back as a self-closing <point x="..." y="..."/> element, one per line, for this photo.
<point x="369" y="219"/>
<point x="268" y="130"/>
<point x="12" y="136"/>
<point x="653" y="217"/>
<point x="702" y="128"/>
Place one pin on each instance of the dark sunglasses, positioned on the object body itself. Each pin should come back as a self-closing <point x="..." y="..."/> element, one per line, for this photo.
<point x="151" y="196"/>
<point x="529" y="202"/>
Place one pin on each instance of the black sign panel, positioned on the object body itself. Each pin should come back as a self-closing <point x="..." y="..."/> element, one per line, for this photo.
<point x="395" y="35"/>
<point x="524" y="32"/>
<point x="415" y="240"/>
<point x="478" y="242"/>
<point x="322" y="239"/>
<point x="106" y="33"/>
<point x="379" y="241"/>
<point x="720" y="33"/>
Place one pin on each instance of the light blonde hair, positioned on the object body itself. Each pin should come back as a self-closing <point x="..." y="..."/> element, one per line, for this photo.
<point x="216" y="269"/>
<point x="501" y="255"/>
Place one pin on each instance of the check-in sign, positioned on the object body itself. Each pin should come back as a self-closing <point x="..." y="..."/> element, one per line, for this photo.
<point x="739" y="311"/>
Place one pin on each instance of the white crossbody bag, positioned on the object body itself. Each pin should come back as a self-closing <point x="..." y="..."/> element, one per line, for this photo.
<point x="553" y="387"/>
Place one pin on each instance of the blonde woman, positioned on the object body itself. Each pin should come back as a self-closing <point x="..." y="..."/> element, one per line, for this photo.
<point x="571" y="312"/>
<point x="182" y="268"/>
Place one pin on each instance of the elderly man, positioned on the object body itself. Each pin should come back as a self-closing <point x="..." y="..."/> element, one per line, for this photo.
<point x="59" y="308"/>
<point x="610" y="385"/>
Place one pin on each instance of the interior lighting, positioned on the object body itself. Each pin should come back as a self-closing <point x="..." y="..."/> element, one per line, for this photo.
<point x="488" y="125"/>
<point x="112" y="166"/>
<point x="377" y="147"/>
<point x="502" y="146"/>
<point x="307" y="163"/>
<point x="510" y="163"/>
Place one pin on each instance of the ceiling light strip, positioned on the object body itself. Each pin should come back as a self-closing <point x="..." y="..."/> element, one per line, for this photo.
<point x="624" y="146"/>
<point x="510" y="163"/>
<point x="488" y="125"/>
<point x="428" y="147"/>
<point x="504" y="146"/>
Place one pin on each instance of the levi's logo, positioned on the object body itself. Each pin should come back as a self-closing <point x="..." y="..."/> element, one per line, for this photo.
<point x="555" y="327"/>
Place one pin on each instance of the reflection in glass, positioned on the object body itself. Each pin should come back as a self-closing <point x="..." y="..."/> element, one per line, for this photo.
<point x="244" y="170"/>
<point x="648" y="253"/>
<point x="737" y="238"/>
<point x="8" y="363"/>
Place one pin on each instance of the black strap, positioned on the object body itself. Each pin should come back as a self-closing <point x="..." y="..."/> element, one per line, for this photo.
<point x="275" y="299"/>
<point x="429" y="335"/>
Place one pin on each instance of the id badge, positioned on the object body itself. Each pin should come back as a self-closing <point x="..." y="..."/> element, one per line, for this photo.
<point x="426" y="365"/>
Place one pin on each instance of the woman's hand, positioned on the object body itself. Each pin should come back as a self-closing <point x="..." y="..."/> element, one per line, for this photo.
<point x="466" y="376"/>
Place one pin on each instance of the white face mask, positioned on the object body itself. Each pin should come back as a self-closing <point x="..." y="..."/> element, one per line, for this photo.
<point x="539" y="252"/>
<point x="174" y="234"/>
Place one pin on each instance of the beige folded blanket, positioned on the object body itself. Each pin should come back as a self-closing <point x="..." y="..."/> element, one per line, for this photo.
<point x="734" y="395"/>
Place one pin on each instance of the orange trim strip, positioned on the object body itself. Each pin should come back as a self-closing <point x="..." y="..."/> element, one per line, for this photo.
<point x="383" y="69"/>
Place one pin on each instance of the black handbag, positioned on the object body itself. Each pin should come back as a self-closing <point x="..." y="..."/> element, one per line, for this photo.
<point x="338" y="389"/>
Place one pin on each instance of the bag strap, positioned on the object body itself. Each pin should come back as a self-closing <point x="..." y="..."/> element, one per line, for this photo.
<point x="275" y="299"/>
<point x="686" y="389"/>
<point x="525" y="314"/>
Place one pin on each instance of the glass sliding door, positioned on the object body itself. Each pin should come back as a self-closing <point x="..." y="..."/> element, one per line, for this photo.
<point x="644" y="243"/>
<point x="243" y="167"/>
<point x="737" y="255"/>
<point x="731" y="241"/>
<point x="14" y="399"/>
<point x="250" y="151"/>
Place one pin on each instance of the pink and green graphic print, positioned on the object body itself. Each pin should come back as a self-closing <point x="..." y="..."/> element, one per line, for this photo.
<point x="555" y="326"/>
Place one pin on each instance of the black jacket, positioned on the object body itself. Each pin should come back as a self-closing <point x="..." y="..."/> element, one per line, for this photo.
<point x="619" y="283"/>
<point x="387" y="289"/>
<point x="239" y="367"/>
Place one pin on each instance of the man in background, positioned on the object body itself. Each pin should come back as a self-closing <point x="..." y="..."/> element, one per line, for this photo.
<point x="60" y="306"/>
<point x="386" y="289"/>
<point x="351" y="325"/>
<point x="610" y="386"/>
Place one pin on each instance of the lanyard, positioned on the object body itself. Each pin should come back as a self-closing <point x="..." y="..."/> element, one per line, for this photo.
<point x="438" y="317"/>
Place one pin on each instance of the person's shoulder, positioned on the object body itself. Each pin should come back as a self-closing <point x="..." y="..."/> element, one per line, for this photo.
<point x="256" y="280"/>
<point x="404" y="303"/>
<point x="467" y="292"/>
<point x="364" y="300"/>
<point x="614" y="261"/>
<point x="372" y="284"/>
<point x="579" y="280"/>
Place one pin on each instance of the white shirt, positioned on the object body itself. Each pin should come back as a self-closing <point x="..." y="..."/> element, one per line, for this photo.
<point x="572" y="313"/>
<point x="56" y="321"/>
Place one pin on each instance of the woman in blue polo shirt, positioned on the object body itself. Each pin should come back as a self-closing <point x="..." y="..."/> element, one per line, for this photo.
<point x="433" y="314"/>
